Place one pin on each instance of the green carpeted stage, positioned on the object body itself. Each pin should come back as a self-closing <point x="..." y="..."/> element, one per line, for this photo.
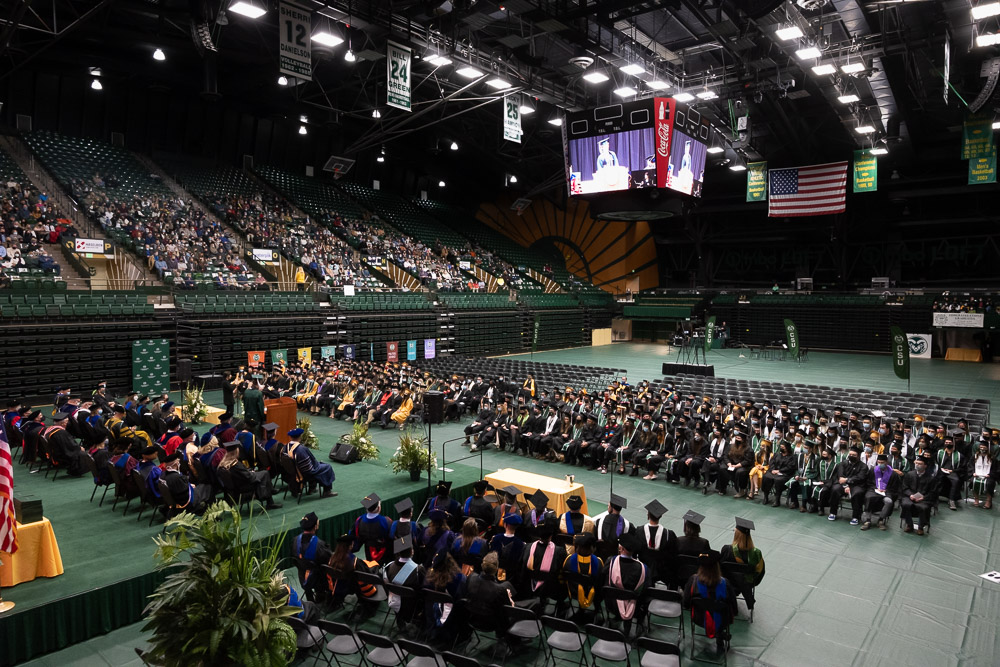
<point x="832" y="594"/>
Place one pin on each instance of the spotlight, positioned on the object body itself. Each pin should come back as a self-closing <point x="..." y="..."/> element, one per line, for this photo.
<point x="879" y="150"/>
<point x="468" y="72"/>
<point x="849" y="98"/>
<point x="512" y="179"/>
<point x="985" y="10"/>
<point x="864" y="129"/>
<point x="625" y="91"/>
<point x="996" y="125"/>
<point x="853" y="68"/>
<point x="349" y="56"/>
<point x="158" y="54"/>
<point x="248" y="9"/>
<point x="556" y="120"/>
<point x="635" y="69"/>
<point x="282" y="80"/>
<point x="683" y="97"/>
<point x="376" y="113"/>
<point x="808" y="53"/>
<point x="380" y="158"/>
<point x="716" y="149"/>
<point x="454" y="145"/>
<point x="737" y="166"/>
<point x="525" y="109"/>
<point x="988" y="39"/>
<point x="96" y="84"/>
<point x="440" y="184"/>
<point x="439" y="61"/>
<point x="788" y="32"/>
<point x="707" y="95"/>
<point x="326" y="38"/>
<point x="595" y="77"/>
<point x="656" y="84"/>
<point x="498" y="83"/>
<point x="303" y="130"/>
<point x="824" y="69"/>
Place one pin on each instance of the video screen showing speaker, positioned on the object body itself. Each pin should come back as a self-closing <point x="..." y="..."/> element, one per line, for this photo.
<point x="688" y="152"/>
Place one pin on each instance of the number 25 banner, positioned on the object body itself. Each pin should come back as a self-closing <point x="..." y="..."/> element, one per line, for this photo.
<point x="398" y="89"/>
<point x="512" y="117"/>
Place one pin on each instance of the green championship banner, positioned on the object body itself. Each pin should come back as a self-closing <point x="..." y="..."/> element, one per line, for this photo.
<point x="757" y="181"/>
<point x="709" y="333"/>
<point x="900" y="353"/>
<point x="792" y="334"/>
<point x="977" y="137"/>
<point x="398" y="89"/>
<point x="983" y="169"/>
<point x="151" y="366"/>
<point x="865" y="171"/>
<point x="279" y="357"/>
<point x="512" y="117"/>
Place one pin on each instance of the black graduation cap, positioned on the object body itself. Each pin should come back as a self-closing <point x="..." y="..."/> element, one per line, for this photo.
<point x="655" y="508"/>
<point x="404" y="505"/>
<point x="574" y="502"/>
<point x="618" y="501"/>
<point x="539" y="499"/>
<point x="443" y="487"/>
<point x="693" y="517"/>
<point x="270" y="426"/>
<point x="744" y="525"/>
<point x="480" y="486"/>
<point x="371" y="501"/>
<point x="404" y="543"/>
<point x="511" y="490"/>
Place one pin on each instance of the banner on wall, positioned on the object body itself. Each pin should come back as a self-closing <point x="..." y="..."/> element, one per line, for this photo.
<point x="349" y="352"/>
<point x="429" y="349"/>
<point x="792" y="334"/>
<point x="411" y="350"/>
<point x="709" y="333"/>
<point x="977" y="136"/>
<point x="512" y="117"/>
<point x="306" y="355"/>
<point x="865" y="171"/>
<point x="151" y="366"/>
<point x="971" y="320"/>
<point x="294" y="46"/>
<point x="983" y="169"/>
<point x="328" y="352"/>
<point x="279" y="357"/>
<point x="900" y="353"/>
<point x="398" y="64"/>
<point x="920" y="345"/>
<point x="757" y="181"/>
<point x="392" y="351"/>
<point x="255" y="358"/>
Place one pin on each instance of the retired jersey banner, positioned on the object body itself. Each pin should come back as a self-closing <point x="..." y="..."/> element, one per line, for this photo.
<point x="900" y="353"/>
<point x="411" y="350"/>
<point x="328" y="351"/>
<point x="306" y="355"/>
<point x="512" y="117"/>
<point x="294" y="45"/>
<point x="865" y="171"/>
<point x="392" y="351"/>
<point x="983" y="169"/>
<point x="349" y="352"/>
<point x="792" y="335"/>
<point x="279" y="357"/>
<point x="756" y="181"/>
<point x="977" y="136"/>
<point x="255" y="358"/>
<point x="429" y="348"/>
<point x="709" y="333"/>
<point x="398" y="63"/>
<point x="920" y="345"/>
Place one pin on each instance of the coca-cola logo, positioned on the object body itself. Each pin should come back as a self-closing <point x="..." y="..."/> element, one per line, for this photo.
<point x="663" y="134"/>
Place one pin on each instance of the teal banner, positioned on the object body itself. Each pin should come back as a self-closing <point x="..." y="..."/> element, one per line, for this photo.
<point x="411" y="350"/>
<point x="792" y="335"/>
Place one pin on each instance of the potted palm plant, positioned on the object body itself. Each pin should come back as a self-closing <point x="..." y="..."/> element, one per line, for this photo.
<point x="412" y="455"/>
<point x="224" y="601"/>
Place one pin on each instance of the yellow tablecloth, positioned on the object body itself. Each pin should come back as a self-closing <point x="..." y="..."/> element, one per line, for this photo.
<point x="213" y="415"/>
<point x="37" y="555"/>
<point x="558" y="490"/>
<point x="963" y="354"/>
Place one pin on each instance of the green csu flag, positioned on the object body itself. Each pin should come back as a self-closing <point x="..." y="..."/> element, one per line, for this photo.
<point x="865" y="171"/>
<point x="977" y="137"/>
<point x="709" y="333"/>
<point x="279" y="357"/>
<point x="900" y="353"/>
<point x="757" y="181"/>
<point x="792" y="335"/>
<point x="983" y="169"/>
<point x="398" y="90"/>
<point x="534" y="334"/>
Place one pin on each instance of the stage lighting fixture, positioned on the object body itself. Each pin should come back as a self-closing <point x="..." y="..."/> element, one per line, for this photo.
<point x="853" y="68"/>
<point x="468" y="72"/>
<point x="282" y="80"/>
<point x="808" y="53"/>
<point x="498" y="83"/>
<point x="595" y="76"/>
<point x="788" y="32"/>
<point x="327" y="39"/>
<point x="247" y="8"/>
<point x="656" y="84"/>
<point x="683" y="97"/>
<point x="985" y="10"/>
<point x="303" y="130"/>
<point x="849" y="98"/>
<point x="824" y="69"/>
<point x="158" y="54"/>
<point x="96" y="84"/>
<point x="440" y="184"/>
<point x="635" y="69"/>
<point x="454" y="145"/>
<point x="625" y="91"/>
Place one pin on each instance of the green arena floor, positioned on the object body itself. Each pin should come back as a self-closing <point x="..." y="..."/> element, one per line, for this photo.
<point x="833" y="595"/>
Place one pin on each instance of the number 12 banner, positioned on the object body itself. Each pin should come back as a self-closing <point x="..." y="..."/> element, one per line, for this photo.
<point x="294" y="49"/>
<point x="398" y="63"/>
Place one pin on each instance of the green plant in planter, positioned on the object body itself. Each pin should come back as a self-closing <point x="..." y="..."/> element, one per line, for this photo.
<point x="194" y="409"/>
<point x="309" y="439"/>
<point x="412" y="455"/>
<point x="358" y="438"/>
<point x="225" y="603"/>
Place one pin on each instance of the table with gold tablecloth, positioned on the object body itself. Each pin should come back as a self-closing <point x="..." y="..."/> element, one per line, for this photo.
<point x="37" y="555"/>
<point x="212" y="416"/>
<point x="963" y="354"/>
<point x="557" y="489"/>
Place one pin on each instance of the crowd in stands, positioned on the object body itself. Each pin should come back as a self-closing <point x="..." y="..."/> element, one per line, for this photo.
<point x="976" y="303"/>
<point x="31" y="224"/>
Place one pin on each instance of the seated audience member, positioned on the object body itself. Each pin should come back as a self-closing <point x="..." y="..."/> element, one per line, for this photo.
<point x="246" y="480"/>
<point x="920" y="488"/>
<point x="743" y="551"/>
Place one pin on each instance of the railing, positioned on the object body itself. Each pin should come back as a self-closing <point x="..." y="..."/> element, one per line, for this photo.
<point x="443" y="463"/>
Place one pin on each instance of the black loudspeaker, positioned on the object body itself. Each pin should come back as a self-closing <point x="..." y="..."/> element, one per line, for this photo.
<point x="343" y="453"/>
<point x="433" y="407"/>
<point x="184" y="370"/>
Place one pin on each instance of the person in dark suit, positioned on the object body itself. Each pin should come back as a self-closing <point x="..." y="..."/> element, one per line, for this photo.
<point x="920" y="489"/>
<point x="692" y="543"/>
<point x="253" y="405"/>
<point x="228" y="392"/>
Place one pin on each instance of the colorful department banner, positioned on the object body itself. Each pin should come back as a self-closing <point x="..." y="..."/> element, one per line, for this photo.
<point x="920" y="345"/>
<point x="306" y="355"/>
<point x="349" y="352"/>
<point x="865" y="171"/>
<point x="328" y="352"/>
<point x="429" y="348"/>
<point x="294" y="46"/>
<point x="255" y="358"/>
<point x="792" y="334"/>
<point x="757" y="181"/>
<point x="983" y="169"/>
<point x="900" y="353"/>
<point x="709" y="333"/>
<point x="411" y="350"/>
<point x="392" y="351"/>
<point x="512" y="117"/>
<point x="977" y="136"/>
<point x="398" y="64"/>
<point x="279" y="357"/>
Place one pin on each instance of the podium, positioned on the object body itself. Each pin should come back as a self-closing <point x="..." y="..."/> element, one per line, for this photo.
<point x="283" y="412"/>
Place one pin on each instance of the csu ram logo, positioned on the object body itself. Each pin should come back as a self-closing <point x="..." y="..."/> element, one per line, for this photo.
<point x="917" y="345"/>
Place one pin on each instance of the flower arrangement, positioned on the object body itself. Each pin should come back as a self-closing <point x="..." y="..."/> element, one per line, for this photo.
<point x="412" y="455"/>
<point x="309" y="439"/>
<point x="195" y="409"/>
<point x="364" y="446"/>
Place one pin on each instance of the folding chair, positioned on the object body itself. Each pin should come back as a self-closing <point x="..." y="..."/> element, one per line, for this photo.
<point x="524" y="624"/>
<point x="92" y="466"/>
<point x="565" y="637"/>
<point x="345" y="642"/>
<point x="608" y="644"/>
<point x="288" y="471"/>
<point x="369" y="579"/>
<point x="659" y="653"/>
<point x="420" y="655"/>
<point x="738" y="572"/>
<point x="308" y="637"/>
<point x="612" y="595"/>
<point x="381" y="651"/>
<point x="701" y="606"/>
<point x="402" y="592"/>
<point x="664" y="603"/>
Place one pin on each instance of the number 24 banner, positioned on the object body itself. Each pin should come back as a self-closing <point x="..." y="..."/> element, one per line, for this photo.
<point x="398" y="63"/>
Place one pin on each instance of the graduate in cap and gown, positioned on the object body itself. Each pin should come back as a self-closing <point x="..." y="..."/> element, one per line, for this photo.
<point x="692" y="543"/>
<point x="371" y="530"/>
<point x="477" y="507"/>
<point x="609" y="526"/>
<point x="311" y="552"/>
<point x="575" y="522"/>
<point x="543" y="560"/>
<point x="628" y="574"/>
<point x="188" y="497"/>
<point x="508" y="506"/>
<point x="583" y="572"/>
<point x="709" y="584"/>
<point x="404" y="571"/>
<point x="308" y="469"/>
<point x="443" y="501"/>
<point x="63" y="449"/>
<point x="743" y="551"/>
<point x="404" y="524"/>
<point x="539" y="514"/>
<point x="659" y="548"/>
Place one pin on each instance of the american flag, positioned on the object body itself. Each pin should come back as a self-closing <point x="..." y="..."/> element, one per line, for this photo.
<point x="8" y="530"/>
<point x="816" y="190"/>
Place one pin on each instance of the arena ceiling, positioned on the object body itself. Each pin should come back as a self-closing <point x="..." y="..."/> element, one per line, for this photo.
<point x="894" y="54"/>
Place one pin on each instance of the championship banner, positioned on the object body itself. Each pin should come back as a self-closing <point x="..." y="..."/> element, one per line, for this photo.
<point x="398" y="63"/>
<point x="512" y="117"/>
<point x="970" y="320"/>
<point x="294" y="45"/>
<point x="392" y="351"/>
<point x="983" y="169"/>
<point x="411" y="350"/>
<point x="756" y="181"/>
<point x="255" y="358"/>
<point x="306" y="355"/>
<point x="279" y="357"/>
<point x="709" y="333"/>
<point x="900" y="353"/>
<point x="977" y="137"/>
<point x="328" y="352"/>
<point x="792" y="335"/>
<point x="429" y="348"/>
<point x="349" y="352"/>
<point x="865" y="171"/>
<point x="920" y="345"/>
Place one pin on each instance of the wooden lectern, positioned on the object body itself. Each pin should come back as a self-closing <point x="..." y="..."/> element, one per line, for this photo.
<point x="283" y="412"/>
